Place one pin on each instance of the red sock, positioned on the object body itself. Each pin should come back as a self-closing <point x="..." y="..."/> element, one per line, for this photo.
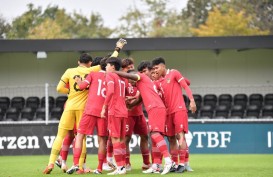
<point x="109" y="148"/>
<point x="127" y="156"/>
<point x="187" y="154"/>
<point x="77" y="154"/>
<point x="118" y="154"/>
<point x="105" y="161"/>
<point x="123" y="148"/>
<point x="101" y="158"/>
<point x="161" y="144"/>
<point x="65" y="147"/>
<point x="145" y="155"/>
<point x="174" y="154"/>
<point x="182" y="154"/>
<point x="161" y="157"/>
<point x="156" y="154"/>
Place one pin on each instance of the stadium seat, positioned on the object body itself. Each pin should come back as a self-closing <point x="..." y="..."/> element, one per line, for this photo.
<point x="33" y="102"/>
<point x="241" y="99"/>
<point x="12" y="114"/>
<point x="256" y="99"/>
<point x="186" y="99"/>
<point x="237" y="111"/>
<point x="40" y="114"/>
<point x="56" y="113"/>
<point x="4" y="103"/>
<point x="267" y="111"/>
<point x="206" y="111"/>
<point x="210" y="99"/>
<point x="51" y="102"/>
<point x="2" y="114"/>
<point x="222" y="111"/>
<point x="225" y="99"/>
<point x="252" y="111"/>
<point x="27" y="113"/>
<point x="60" y="100"/>
<point x="193" y="115"/>
<point x="268" y="99"/>
<point x="198" y="100"/>
<point x="18" y="102"/>
<point x="8" y="120"/>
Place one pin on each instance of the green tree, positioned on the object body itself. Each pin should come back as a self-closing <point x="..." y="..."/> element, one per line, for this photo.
<point x="174" y="26"/>
<point x="132" y="24"/>
<point x="89" y="28"/>
<point x="4" y="27"/>
<point x="20" y="26"/>
<point x="156" y="21"/>
<point x="165" y="22"/>
<point x="56" y="23"/>
<point x="231" y="23"/>
<point x="196" y="11"/>
<point x="48" y="29"/>
<point x="260" y="10"/>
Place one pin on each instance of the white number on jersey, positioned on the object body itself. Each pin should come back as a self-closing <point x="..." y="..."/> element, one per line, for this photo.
<point x="121" y="88"/>
<point x="101" y="89"/>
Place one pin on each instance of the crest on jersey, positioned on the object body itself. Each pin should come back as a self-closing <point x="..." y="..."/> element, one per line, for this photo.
<point x="168" y="80"/>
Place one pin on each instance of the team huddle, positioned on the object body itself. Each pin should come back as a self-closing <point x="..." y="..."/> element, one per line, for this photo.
<point x="107" y="94"/>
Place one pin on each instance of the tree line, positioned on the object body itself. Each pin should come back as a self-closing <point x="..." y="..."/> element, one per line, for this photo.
<point x="198" y="18"/>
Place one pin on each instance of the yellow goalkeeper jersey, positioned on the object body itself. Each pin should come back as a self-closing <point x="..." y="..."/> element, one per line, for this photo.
<point x="76" y="97"/>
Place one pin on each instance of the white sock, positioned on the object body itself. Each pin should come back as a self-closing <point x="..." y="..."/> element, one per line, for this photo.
<point x="110" y="159"/>
<point x="63" y="162"/>
<point x="168" y="160"/>
<point x="155" y="166"/>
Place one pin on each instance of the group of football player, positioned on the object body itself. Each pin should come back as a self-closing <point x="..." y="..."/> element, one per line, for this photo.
<point x="108" y="94"/>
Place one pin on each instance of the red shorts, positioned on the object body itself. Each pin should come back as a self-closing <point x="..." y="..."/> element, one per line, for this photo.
<point x="88" y="123"/>
<point x="136" y="124"/>
<point x="157" y="118"/>
<point x="176" y="122"/>
<point x="116" y="126"/>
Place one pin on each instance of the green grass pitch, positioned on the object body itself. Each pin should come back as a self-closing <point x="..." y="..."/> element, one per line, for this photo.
<point x="207" y="165"/>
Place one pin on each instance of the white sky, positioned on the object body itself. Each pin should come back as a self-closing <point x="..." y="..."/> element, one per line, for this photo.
<point x="110" y="10"/>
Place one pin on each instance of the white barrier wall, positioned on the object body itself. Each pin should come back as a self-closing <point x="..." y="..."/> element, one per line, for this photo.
<point x="230" y="71"/>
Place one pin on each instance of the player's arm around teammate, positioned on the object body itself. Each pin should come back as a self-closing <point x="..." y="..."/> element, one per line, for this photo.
<point x="171" y="83"/>
<point x="74" y="104"/>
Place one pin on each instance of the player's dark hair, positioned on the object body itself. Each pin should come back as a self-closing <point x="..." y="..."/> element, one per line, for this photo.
<point x="103" y="63"/>
<point x="96" y="61"/>
<point x="157" y="61"/>
<point x="126" y="62"/>
<point x="85" y="58"/>
<point x="143" y="65"/>
<point x="114" y="61"/>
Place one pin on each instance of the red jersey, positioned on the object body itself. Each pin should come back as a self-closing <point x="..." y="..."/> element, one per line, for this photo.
<point x="148" y="93"/>
<point x="96" y="93"/>
<point x="115" y="95"/>
<point x="171" y="86"/>
<point x="136" y="110"/>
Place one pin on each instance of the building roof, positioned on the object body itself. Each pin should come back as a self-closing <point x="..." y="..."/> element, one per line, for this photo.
<point x="139" y="44"/>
